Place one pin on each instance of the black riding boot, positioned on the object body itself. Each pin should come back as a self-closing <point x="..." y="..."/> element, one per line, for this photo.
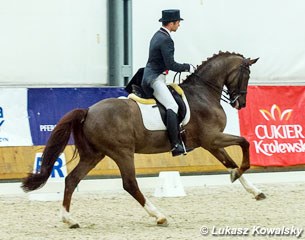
<point x="173" y="134"/>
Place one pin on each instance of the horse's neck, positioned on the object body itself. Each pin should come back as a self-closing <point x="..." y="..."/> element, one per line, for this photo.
<point x="196" y="89"/>
<point x="208" y="80"/>
<point x="212" y="79"/>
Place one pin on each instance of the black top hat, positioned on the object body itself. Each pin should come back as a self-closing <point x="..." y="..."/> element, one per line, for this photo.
<point x="170" y="15"/>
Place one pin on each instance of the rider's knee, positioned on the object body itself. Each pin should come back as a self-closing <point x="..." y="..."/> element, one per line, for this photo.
<point x="173" y="106"/>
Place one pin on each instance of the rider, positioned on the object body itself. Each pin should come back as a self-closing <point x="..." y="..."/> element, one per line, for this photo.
<point x="160" y="60"/>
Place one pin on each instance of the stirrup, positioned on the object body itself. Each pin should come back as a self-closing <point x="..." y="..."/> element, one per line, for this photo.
<point x="179" y="149"/>
<point x="186" y="149"/>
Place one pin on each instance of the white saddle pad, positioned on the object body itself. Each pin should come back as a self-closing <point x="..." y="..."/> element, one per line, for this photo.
<point x="152" y="118"/>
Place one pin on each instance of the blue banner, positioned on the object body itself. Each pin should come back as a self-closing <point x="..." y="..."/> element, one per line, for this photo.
<point x="47" y="105"/>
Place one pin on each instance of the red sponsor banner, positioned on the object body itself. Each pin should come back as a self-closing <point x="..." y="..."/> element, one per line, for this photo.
<point x="274" y="124"/>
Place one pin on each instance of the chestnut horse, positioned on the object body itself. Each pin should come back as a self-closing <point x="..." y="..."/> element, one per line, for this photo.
<point x="114" y="128"/>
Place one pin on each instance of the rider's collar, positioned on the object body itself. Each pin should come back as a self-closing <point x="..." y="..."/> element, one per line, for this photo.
<point x="166" y="30"/>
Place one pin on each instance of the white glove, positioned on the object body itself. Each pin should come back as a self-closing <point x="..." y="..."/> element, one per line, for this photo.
<point x="192" y="69"/>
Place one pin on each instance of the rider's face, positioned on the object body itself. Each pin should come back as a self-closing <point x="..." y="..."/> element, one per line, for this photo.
<point x="175" y="26"/>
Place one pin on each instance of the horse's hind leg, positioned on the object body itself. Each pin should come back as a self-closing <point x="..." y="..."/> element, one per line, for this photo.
<point x="127" y="169"/>
<point x="226" y="160"/>
<point x="72" y="180"/>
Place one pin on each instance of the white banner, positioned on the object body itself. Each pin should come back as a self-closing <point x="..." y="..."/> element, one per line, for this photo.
<point x="14" y="122"/>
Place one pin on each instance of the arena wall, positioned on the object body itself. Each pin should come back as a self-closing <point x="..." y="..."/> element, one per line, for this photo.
<point x="16" y="162"/>
<point x="272" y="122"/>
<point x="26" y="124"/>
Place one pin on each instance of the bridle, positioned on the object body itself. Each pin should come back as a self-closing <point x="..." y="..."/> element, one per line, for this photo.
<point x="238" y="92"/>
<point x="226" y="95"/>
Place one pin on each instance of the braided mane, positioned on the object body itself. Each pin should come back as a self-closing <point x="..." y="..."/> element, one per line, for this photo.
<point x="208" y="60"/>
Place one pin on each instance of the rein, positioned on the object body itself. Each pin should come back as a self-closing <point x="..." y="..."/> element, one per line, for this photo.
<point x="225" y="93"/>
<point x="179" y="80"/>
<point x="218" y="90"/>
<point x="211" y="85"/>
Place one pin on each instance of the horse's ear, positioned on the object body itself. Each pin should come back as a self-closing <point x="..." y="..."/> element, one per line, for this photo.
<point x="252" y="61"/>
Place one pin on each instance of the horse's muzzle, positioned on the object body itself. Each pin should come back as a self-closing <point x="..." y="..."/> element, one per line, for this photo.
<point x="234" y="102"/>
<point x="236" y="105"/>
<point x="237" y="102"/>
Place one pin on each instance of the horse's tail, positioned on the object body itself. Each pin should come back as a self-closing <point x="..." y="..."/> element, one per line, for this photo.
<point x="71" y="122"/>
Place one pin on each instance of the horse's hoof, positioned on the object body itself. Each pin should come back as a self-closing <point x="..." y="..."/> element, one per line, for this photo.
<point x="260" y="196"/>
<point x="234" y="175"/>
<point x="75" y="225"/>
<point x="162" y="222"/>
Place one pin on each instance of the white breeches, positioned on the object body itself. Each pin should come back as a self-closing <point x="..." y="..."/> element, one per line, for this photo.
<point x="162" y="94"/>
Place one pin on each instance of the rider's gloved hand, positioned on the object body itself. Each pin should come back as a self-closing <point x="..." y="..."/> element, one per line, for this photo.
<point x="192" y="68"/>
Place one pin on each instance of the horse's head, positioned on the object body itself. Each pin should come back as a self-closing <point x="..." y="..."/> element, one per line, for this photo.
<point x="237" y="82"/>
<point x="224" y="69"/>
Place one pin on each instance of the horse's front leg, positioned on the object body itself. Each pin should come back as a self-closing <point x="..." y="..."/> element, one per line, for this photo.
<point x="223" y="140"/>
<point x="226" y="160"/>
<point x="258" y="194"/>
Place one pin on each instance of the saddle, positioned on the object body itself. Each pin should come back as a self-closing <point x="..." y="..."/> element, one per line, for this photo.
<point x="137" y="94"/>
<point x="175" y="90"/>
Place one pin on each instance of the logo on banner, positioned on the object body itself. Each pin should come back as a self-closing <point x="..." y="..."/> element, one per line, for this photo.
<point x="46" y="128"/>
<point x="1" y="117"/>
<point x="59" y="171"/>
<point x="2" y="139"/>
<point x="279" y="134"/>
